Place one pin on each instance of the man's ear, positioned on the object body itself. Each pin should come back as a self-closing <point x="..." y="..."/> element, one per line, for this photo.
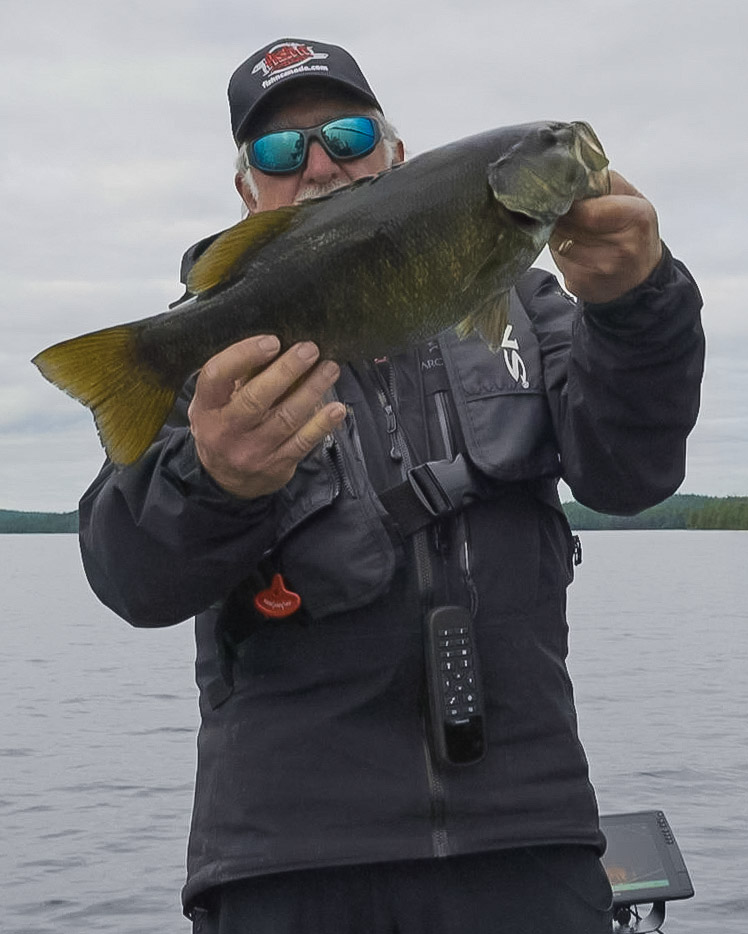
<point x="244" y="193"/>
<point x="399" y="152"/>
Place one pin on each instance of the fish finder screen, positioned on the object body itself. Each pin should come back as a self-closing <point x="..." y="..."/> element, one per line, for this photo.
<point x="632" y="862"/>
<point x="642" y="859"/>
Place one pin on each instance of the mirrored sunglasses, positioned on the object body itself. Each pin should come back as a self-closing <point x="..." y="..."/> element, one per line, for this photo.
<point x="286" y="150"/>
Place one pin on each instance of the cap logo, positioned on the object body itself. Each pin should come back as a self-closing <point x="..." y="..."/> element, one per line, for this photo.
<point x="286" y="59"/>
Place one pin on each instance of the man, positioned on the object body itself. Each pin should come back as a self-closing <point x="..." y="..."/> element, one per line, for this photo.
<point x="277" y="506"/>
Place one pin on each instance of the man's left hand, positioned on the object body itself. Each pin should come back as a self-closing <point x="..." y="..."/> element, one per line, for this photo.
<point x="609" y="244"/>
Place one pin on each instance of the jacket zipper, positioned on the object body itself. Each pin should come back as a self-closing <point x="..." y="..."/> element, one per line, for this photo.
<point x="332" y="454"/>
<point x="400" y="453"/>
<point x="461" y="524"/>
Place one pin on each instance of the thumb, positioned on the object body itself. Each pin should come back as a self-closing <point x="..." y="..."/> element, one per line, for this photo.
<point x="621" y="186"/>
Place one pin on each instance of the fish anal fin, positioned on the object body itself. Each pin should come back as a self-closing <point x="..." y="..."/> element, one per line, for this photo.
<point x="489" y="321"/>
<point x="102" y="370"/>
<point x="238" y="243"/>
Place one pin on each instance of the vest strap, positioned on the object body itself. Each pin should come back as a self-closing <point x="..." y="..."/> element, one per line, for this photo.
<point x="432" y="491"/>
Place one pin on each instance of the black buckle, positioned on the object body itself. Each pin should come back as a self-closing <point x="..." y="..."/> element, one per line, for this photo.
<point x="441" y="486"/>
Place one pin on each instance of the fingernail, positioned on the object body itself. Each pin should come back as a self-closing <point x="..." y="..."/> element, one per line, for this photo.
<point x="307" y="350"/>
<point x="329" y="368"/>
<point x="338" y="414"/>
<point x="269" y="343"/>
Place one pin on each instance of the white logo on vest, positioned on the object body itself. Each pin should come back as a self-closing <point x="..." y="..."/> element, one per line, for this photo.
<point x="514" y="362"/>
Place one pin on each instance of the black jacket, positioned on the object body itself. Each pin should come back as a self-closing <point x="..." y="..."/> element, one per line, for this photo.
<point x="312" y="749"/>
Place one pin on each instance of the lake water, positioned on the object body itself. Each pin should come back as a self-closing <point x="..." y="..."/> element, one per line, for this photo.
<point x="98" y="729"/>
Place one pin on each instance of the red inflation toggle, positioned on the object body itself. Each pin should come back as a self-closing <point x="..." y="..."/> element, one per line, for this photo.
<point x="276" y="601"/>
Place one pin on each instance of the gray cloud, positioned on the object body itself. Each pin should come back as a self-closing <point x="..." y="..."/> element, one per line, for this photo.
<point x="117" y="156"/>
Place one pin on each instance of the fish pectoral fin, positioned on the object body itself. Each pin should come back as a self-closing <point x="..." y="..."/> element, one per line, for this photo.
<point x="102" y="370"/>
<point x="490" y="321"/>
<point x="236" y="244"/>
<point x="493" y="255"/>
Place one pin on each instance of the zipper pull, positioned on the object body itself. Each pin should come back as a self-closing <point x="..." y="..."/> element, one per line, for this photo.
<point x="395" y="453"/>
<point x="389" y="412"/>
<point x="382" y="367"/>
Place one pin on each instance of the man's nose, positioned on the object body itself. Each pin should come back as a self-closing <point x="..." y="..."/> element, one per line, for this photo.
<point x="320" y="167"/>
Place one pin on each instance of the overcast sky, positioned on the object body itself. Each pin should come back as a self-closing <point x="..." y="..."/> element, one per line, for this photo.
<point x="116" y="155"/>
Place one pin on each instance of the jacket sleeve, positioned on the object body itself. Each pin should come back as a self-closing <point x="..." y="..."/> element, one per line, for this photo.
<point x="160" y="541"/>
<point x="623" y="382"/>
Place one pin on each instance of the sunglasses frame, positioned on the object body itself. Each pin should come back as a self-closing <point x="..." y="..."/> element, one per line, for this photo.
<point x="314" y="133"/>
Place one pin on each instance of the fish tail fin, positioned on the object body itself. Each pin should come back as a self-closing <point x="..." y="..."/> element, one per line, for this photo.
<point x="103" y="371"/>
<point x="490" y="321"/>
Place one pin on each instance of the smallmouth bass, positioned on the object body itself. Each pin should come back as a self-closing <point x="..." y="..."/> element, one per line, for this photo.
<point x="371" y="268"/>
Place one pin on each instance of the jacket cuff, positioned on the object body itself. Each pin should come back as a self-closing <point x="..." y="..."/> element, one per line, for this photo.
<point x="668" y="292"/>
<point x="660" y="277"/>
<point x="183" y="470"/>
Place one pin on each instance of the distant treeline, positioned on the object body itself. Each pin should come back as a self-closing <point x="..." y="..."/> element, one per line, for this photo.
<point x="682" y="511"/>
<point x="12" y="520"/>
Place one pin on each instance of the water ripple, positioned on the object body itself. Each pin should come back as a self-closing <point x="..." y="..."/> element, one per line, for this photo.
<point x="99" y="722"/>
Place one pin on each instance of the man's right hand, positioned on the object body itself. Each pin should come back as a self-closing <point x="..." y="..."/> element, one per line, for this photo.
<point x="253" y="420"/>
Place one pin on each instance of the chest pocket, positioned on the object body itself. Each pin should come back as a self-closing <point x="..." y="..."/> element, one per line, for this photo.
<point x="501" y="402"/>
<point x="332" y="546"/>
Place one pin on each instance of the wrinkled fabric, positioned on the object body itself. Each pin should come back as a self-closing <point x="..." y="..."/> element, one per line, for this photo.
<point x="313" y="749"/>
<point x="561" y="889"/>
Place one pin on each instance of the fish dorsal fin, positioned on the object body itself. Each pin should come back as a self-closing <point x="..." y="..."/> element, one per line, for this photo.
<point x="237" y="243"/>
<point x="489" y="321"/>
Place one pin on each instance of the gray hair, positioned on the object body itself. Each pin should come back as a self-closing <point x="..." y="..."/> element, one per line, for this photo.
<point x="390" y="139"/>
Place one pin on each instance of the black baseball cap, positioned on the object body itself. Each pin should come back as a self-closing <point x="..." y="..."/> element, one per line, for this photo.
<point x="287" y="60"/>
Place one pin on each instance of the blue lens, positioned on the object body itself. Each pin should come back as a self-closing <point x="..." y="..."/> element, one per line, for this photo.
<point x="279" y="152"/>
<point x="350" y="137"/>
<point x="286" y="150"/>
